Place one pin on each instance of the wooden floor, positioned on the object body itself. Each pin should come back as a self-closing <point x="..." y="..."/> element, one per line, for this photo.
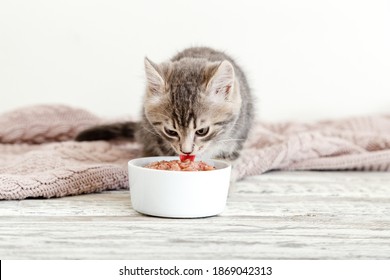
<point x="278" y="215"/>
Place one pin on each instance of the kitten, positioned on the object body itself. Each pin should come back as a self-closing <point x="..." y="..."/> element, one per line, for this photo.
<point x="198" y="103"/>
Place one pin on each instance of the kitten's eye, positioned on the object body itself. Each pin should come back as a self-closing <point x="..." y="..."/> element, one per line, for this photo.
<point x="202" y="132"/>
<point x="170" y="132"/>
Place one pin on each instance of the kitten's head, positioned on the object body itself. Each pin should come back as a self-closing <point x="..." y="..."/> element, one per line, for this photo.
<point x="191" y="103"/>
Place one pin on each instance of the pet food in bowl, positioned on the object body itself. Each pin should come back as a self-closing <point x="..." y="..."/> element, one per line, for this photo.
<point x="178" y="194"/>
<point x="178" y="165"/>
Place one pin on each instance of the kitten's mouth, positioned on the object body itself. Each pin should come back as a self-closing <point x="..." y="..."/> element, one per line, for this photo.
<point x="184" y="157"/>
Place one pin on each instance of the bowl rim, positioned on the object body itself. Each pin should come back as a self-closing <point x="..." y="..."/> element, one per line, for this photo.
<point x="131" y="163"/>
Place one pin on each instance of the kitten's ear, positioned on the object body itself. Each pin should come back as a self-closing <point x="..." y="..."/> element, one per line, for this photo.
<point x="155" y="82"/>
<point x="221" y="83"/>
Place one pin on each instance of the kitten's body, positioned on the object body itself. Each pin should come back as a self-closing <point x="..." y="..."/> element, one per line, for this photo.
<point x="198" y="102"/>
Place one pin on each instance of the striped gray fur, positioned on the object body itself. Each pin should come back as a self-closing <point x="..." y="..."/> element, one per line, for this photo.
<point x="198" y="102"/>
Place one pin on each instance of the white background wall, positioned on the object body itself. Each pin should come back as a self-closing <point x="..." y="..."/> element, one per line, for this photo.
<point x="305" y="60"/>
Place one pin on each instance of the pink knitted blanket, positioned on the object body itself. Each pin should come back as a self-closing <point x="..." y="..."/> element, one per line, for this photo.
<point x="39" y="159"/>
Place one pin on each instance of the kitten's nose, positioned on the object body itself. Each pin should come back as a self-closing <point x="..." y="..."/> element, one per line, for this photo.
<point x="187" y="149"/>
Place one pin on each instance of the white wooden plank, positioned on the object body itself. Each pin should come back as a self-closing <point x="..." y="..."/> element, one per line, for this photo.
<point x="279" y="215"/>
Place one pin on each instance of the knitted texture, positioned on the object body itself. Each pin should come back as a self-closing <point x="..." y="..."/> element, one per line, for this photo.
<point x="44" y="123"/>
<point x="38" y="157"/>
<point x="359" y="143"/>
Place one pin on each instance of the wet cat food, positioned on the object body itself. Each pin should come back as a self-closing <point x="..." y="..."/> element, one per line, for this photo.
<point x="178" y="165"/>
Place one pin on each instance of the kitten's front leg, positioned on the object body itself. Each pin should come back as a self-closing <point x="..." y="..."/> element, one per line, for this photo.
<point x="232" y="160"/>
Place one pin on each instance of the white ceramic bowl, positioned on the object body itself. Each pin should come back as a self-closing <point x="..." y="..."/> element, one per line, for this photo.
<point x="178" y="194"/>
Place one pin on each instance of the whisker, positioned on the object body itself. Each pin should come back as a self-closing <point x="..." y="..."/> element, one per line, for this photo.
<point x="152" y="132"/>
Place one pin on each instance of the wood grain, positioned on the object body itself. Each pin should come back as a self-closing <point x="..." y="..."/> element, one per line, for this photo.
<point x="278" y="215"/>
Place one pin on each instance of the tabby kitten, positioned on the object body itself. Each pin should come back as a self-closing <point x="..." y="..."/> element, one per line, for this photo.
<point x="198" y="102"/>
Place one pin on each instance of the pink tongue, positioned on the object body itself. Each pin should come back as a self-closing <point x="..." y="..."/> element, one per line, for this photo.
<point x="185" y="157"/>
